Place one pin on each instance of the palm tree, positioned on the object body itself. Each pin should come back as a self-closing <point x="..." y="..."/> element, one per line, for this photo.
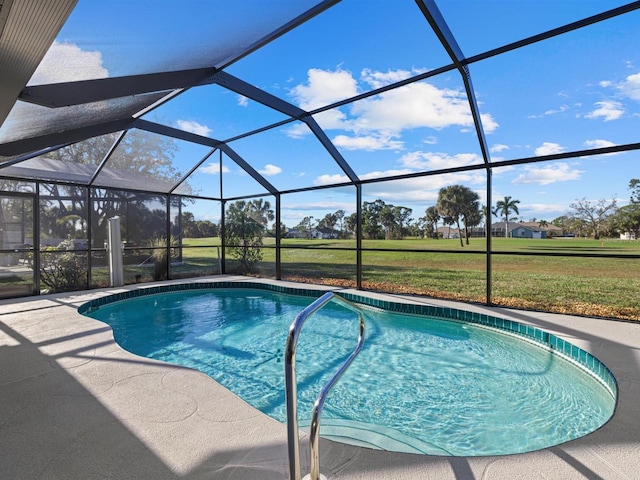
<point x="432" y="217"/>
<point x="486" y="215"/>
<point x="505" y="207"/>
<point x="457" y="202"/>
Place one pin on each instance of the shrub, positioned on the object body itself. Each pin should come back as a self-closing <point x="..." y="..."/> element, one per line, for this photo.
<point x="159" y="256"/>
<point x="62" y="269"/>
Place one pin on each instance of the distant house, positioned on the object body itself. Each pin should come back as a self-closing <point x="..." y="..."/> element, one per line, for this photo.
<point x="448" y="232"/>
<point x="325" y="233"/>
<point x="497" y="229"/>
<point x="294" y="233"/>
<point x="525" y="230"/>
<point x="315" y="233"/>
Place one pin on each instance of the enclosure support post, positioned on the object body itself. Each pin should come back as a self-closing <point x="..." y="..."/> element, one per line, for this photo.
<point x="278" y="238"/>
<point x="168" y="236"/>
<point x="87" y="196"/>
<point x="223" y="268"/>
<point x="222" y="236"/>
<point x="114" y="246"/>
<point x="36" y="240"/>
<point x="489" y="272"/>
<point x="359" y="236"/>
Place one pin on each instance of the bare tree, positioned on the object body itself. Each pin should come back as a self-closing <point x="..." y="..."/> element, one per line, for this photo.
<point x="595" y="215"/>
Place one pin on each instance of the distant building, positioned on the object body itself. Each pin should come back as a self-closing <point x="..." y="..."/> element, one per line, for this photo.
<point x="525" y="230"/>
<point x="448" y="232"/>
<point x="315" y="233"/>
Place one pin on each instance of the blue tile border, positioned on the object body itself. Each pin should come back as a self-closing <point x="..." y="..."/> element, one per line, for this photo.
<point x="530" y="333"/>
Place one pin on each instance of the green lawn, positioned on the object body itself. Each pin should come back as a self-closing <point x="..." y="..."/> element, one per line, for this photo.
<point x="607" y="287"/>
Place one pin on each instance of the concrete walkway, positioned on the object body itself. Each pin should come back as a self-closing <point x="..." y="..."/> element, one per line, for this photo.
<point x="74" y="405"/>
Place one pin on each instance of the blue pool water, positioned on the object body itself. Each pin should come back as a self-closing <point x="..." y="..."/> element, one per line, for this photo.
<point x="419" y="385"/>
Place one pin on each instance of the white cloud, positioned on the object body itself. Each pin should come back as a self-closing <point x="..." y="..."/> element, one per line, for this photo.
<point x="562" y="108"/>
<point x="406" y="194"/>
<point x="418" y="105"/>
<point x="607" y="109"/>
<point x="319" y="206"/>
<point x="489" y="125"/>
<point x="323" y="88"/>
<point x="631" y="87"/>
<point x="549" y="148"/>
<point x="368" y="143"/>
<point x="497" y="172"/>
<point x="418" y="189"/>
<point x="436" y="161"/>
<point x="385" y="174"/>
<point x="213" y="168"/>
<point x="327" y="179"/>
<point x="557" y="172"/>
<point x="498" y="147"/>
<point x="329" y="120"/>
<point x="380" y="79"/>
<point x="599" y="143"/>
<point x="539" y="209"/>
<point x="297" y="130"/>
<point x="65" y="62"/>
<point x="243" y="101"/>
<point x="415" y="106"/>
<point x="552" y="111"/>
<point x="193" y="127"/>
<point x="423" y="190"/>
<point x="270" y="170"/>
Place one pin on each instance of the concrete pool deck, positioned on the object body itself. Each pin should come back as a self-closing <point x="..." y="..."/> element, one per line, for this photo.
<point x="74" y="405"/>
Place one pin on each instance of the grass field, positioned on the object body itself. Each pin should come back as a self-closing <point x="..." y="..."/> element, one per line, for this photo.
<point x="594" y="285"/>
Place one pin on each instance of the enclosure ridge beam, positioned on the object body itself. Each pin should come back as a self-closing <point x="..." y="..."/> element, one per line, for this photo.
<point x="278" y="32"/>
<point x="30" y="155"/>
<point x="175" y="133"/>
<point x="106" y="157"/>
<point x="87" y="91"/>
<point x="245" y="89"/>
<point x="431" y="12"/>
<point x="193" y="169"/>
<point x="331" y="148"/>
<point x="58" y="95"/>
<point x="18" y="147"/>
<point x="585" y="22"/>
<point x="248" y="168"/>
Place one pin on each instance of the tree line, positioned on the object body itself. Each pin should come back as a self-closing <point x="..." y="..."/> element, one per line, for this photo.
<point x="457" y="206"/>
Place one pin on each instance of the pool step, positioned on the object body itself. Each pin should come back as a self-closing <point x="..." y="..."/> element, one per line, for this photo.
<point x="375" y="436"/>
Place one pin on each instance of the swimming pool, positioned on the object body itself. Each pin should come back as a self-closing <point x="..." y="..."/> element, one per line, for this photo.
<point x="454" y="383"/>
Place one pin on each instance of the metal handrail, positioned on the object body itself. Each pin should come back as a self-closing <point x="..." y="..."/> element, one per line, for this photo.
<point x="291" y="387"/>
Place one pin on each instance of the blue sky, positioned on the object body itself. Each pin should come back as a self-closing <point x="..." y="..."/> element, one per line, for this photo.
<point x="574" y="92"/>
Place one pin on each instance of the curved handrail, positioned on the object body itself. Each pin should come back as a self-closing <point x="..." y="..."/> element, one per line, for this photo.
<point x="291" y="387"/>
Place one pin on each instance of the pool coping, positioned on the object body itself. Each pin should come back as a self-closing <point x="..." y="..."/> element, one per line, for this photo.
<point x="65" y="370"/>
